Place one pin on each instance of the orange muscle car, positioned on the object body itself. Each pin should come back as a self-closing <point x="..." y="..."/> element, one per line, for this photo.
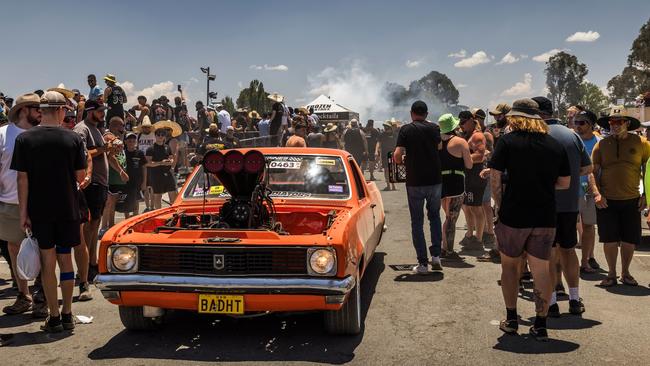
<point x="252" y="231"/>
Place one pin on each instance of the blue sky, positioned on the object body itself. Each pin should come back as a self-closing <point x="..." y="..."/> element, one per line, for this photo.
<point x="346" y="49"/>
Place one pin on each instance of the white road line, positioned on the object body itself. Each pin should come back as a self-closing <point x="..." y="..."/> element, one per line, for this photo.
<point x="642" y="255"/>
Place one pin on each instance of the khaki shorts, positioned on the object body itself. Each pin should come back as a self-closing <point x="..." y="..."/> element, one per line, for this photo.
<point x="513" y="242"/>
<point x="587" y="210"/>
<point x="10" y="223"/>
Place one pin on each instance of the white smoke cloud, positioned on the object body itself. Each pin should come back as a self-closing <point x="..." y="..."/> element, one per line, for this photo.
<point x="166" y="88"/>
<point x="460" y="86"/>
<point x="459" y="54"/>
<point x="476" y="59"/>
<point x="353" y="87"/>
<point x="509" y="58"/>
<point x="546" y="55"/>
<point x="521" y="88"/>
<point x="589" y="36"/>
<point x="270" y="67"/>
<point x="411" y="64"/>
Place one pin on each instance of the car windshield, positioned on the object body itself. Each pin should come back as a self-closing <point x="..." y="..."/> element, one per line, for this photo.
<point x="290" y="176"/>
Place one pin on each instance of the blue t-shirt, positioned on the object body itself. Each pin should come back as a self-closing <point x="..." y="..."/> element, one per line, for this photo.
<point x="264" y="127"/>
<point x="95" y="93"/>
<point x="589" y="146"/>
<point x="567" y="199"/>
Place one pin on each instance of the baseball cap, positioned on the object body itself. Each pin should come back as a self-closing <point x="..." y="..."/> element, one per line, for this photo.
<point x="479" y="113"/>
<point x="93" y="105"/>
<point x="465" y="115"/>
<point x="587" y="116"/>
<point x="130" y="135"/>
<point x="545" y="105"/>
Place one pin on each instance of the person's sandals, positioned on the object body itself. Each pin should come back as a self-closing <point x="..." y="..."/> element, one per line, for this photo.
<point x="21" y="305"/>
<point x="628" y="280"/>
<point x="509" y="326"/>
<point x="539" y="334"/>
<point x="608" y="282"/>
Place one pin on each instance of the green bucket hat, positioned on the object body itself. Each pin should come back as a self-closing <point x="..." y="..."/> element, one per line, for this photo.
<point x="448" y="123"/>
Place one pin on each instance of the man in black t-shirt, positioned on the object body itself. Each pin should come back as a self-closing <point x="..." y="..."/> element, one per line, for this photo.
<point x="114" y="97"/>
<point x="420" y="141"/>
<point x="51" y="163"/>
<point x="277" y="110"/>
<point x="372" y="135"/>
<point x="526" y="215"/>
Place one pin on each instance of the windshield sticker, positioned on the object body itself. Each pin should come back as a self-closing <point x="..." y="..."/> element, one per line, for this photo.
<point x="284" y="158"/>
<point x="216" y="189"/>
<point x="335" y="189"/>
<point x="290" y="194"/>
<point x="285" y="164"/>
<point x="325" y="162"/>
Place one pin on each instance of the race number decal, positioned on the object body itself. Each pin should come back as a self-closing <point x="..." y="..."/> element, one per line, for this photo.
<point x="285" y="164"/>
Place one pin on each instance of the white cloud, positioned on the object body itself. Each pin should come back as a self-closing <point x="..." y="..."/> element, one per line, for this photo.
<point x="509" y="58"/>
<point x="476" y="59"/>
<point x="521" y="88"/>
<point x="546" y="55"/>
<point x="411" y="64"/>
<point x="589" y="36"/>
<point x="459" y="54"/>
<point x="270" y="67"/>
<point x="166" y="88"/>
<point x="460" y="86"/>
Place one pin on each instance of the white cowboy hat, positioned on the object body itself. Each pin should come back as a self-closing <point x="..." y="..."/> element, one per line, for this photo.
<point x="276" y="97"/>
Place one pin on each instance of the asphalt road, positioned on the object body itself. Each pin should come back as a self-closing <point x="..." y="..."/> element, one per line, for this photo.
<point x="441" y="318"/>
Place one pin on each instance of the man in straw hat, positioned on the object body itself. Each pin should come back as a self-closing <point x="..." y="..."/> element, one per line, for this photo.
<point x="420" y="141"/>
<point x="115" y="98"/>
<point x="617" y="160"/>
<point x="96" y="192"/>
<point x="53" y="219"/>
<point x="24" y="115"/>
<point x="277" y="116"/>
<point x="522" y="231"/>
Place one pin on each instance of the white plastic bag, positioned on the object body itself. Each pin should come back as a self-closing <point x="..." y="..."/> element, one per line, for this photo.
<point x="29" y="258"/>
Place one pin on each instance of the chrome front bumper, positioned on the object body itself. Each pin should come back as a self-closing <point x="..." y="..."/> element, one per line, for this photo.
<point x="245" y="285"/>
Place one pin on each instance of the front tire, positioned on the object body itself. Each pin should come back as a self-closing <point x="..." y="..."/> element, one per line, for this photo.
<point x="347" y="320"/>
<point x="132" y="318"/>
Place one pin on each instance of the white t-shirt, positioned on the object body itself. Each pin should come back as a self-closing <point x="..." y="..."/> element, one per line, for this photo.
<point x="224" y="119"/>
<point x="146" y="141"/>
<point x="8" y="185"/>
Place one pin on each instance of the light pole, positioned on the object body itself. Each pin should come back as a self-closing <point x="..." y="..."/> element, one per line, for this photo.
<point x="209" y="77"/>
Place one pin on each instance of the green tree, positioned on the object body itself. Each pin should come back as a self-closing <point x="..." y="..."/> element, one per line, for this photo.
<point x="592" y="97"/>
<point x="635" y="78"/>
<point x="564" y="76"/>
<point x="254" y="97"/>
<point x="228" y="104"/>
<point x="435" y="86"/>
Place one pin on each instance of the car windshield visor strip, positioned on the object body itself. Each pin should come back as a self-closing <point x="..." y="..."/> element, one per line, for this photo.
<point x="247" y="285"/>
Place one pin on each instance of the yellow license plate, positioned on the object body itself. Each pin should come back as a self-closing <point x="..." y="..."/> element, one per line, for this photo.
<point x="221" y="304"/>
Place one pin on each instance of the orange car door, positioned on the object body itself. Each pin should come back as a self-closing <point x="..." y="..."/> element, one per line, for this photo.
<point x="365" y="224"/>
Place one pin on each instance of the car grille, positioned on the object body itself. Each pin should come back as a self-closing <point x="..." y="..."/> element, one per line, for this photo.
<point x="237" y="261"/>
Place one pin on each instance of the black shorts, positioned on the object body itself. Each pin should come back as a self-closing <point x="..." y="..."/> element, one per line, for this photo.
<point x="62" y="234"/>
<point x="116" y="188"/>
<point x="84" y="214"/>
<point x="474" y="186"/>
<point x="162" y="182"/>
<point x="566" y="234"/>
<point x="620" y="221"/>
<point x="96" y="195"/>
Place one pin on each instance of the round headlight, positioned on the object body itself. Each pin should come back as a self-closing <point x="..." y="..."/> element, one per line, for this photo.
<point x="322" y="261"/>
<point x="124" y="258"/>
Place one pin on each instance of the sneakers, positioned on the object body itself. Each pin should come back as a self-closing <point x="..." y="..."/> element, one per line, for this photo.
<point x="509" y="326"/>
<point x="540" y="334"/>
<point x="576" y="307"/>
<point x="21" y="305"/>
<point x="435" y="264"/>
<point x="40" y="310"/>
<point x="554" y="311"/>
<point x="559" y="290"/>
<point x="52" y="325"/>
<point x="84" y="292"/>
<point x="593" y="264"/>
<point x="421" y="269"/>
<point x="491" y="256"/>
<point x="67" y="321"/>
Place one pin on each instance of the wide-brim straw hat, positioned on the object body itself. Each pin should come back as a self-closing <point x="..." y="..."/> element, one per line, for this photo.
<point x="176" y="129"/>
<point x="69" y="94"/>
<point x="276" y="97"/>
<point x="213" y="126"/>
<point x="330" y="128"/>
<point x="619" y="112"/>
<point x="146" y="122"/>
<point x="25" y="100"/>
<point x="254" y="115"/>
<point x="110" y="77"/>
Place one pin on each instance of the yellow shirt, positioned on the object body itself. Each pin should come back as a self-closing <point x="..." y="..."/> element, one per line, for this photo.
<point x="620" y="165"/>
